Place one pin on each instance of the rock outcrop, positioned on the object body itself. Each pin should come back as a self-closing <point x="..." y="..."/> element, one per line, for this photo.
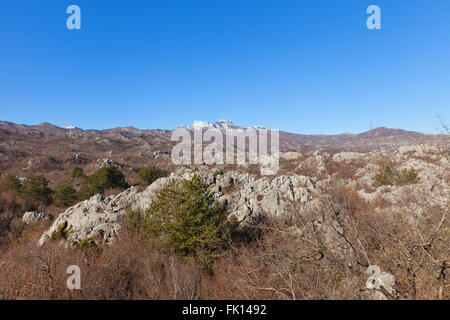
<point x="380" y="284"/>
<point x="35" y="217"/>
<point x="240" y="194"/>
<point x="98" y="216"/>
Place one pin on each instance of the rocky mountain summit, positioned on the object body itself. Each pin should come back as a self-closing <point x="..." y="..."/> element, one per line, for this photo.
<point x="221" y="125"/>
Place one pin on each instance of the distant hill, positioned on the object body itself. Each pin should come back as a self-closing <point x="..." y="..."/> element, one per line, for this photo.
<point x="131" y="137"/>
<point x="379" y="138"/>
<point x="51" y="148"/>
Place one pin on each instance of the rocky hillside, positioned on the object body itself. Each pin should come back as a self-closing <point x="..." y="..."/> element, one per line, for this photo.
<point x="370" y="222"/>
<point x="376" y="139"/>
<point x="240" y="194"/>
<point x="55" y="151"/>
<point x="330" y="204"/>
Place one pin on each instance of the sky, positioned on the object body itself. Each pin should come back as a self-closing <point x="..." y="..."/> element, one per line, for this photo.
<point x="303" y="66"/>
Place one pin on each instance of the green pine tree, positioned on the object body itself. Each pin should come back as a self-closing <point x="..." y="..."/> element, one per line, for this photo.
<point x="65" y="196"/>
<point x="185" y="218"/>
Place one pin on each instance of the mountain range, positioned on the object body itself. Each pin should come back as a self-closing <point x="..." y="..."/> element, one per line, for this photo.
<point x="48" y="147"/>
<point x="376" y="138"/>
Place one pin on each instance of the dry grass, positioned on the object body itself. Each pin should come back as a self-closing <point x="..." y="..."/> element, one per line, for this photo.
<point x="129" y="269"/>
<point x="302" y="258"/>
<point x="320" y="253"/>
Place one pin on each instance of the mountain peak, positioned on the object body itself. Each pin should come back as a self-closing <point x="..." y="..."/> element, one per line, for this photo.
<point x="223" y="124"/>
<point x="225" y="121"/>
<point x="46" y="124"/>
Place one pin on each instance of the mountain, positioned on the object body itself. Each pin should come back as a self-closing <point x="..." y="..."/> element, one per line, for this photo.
<point x="379" y="138"/>
<point x="29" y="148"/>
<point x="221" y="125"/>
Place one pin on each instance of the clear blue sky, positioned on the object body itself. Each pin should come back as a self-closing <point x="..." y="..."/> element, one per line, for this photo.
<point x="307" y="66"/>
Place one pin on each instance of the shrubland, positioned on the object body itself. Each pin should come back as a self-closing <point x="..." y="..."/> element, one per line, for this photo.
<point x="320" y="253"/>
<point x="184" y="247"/>
<point x="34" y="193"/>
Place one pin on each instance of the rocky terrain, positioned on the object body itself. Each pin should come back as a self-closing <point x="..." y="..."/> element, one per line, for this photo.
<point x="53" y="150"/>
<point x="323" y="210"/>
<point x="251" y="199"/>
<point x="246" y="197"/>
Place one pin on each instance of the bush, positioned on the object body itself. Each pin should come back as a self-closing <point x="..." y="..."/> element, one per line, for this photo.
<point x="104" y="178"/>
<point x="10" y="183"/>
<point x="151" y="174"/>
<point x="35" y="189"/>
<point x="78" y="173"/>
<point x="88" y="190"/>
<point x="388" y="176"/>
<point x="408" y="176"/>
<point x="65" y="196"/>
<point x="87" y="242"/>
<point x="62" y="231"/>
<point x="384" y="177"/>
<point x="184" y="218"/>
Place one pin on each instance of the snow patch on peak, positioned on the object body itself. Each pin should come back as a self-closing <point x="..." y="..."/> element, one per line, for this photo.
<point x="222" y="124"/>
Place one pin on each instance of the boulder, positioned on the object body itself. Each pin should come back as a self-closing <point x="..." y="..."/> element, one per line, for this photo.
<point x="35" y="217"/>
<point x="380" y="284"/>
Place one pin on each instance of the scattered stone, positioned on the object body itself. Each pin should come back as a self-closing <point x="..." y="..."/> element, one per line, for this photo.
<point x="381" y="284"/>
<point x="104" y="163"/>
<point x="78" y="158"/>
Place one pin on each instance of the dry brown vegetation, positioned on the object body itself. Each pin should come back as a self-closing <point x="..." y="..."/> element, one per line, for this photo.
<point x="322" y="253"/>
<point x="130" y="269"/>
